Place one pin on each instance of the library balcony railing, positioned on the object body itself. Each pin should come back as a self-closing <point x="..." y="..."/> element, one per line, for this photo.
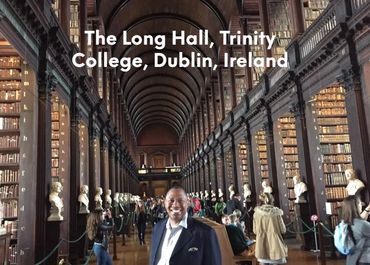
<point x="337" y="12"/>
<point x="170" y="172"/>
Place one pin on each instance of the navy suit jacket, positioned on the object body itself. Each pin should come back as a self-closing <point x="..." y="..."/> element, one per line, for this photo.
<point x="197" y="244"/>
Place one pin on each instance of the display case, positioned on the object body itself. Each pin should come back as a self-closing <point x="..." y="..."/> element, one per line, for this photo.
<point x="330" y="117"/>
<point x="313" y="9"/>
<point x="280" y="25"/>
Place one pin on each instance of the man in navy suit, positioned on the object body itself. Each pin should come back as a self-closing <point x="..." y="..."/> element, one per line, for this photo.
<point x="180" y="239"/>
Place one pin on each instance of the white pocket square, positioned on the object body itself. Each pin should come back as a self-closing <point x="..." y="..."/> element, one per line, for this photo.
<point x="193" y="249"/>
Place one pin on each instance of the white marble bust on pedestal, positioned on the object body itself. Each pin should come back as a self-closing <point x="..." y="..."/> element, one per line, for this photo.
<point x="56" y="202"/>
<point x="83" y="199"/>
<point x="220" y="193"/>
<point x="299" y="189"/>
<point x="97" y="198"/>
<point x="354" y="184"/>
<point x="266" y="186"/>
<point x="206" y="195"/>
<point x="231" y="191"/>
<point x="246" y="192"/>
<point x="108" y="198"/>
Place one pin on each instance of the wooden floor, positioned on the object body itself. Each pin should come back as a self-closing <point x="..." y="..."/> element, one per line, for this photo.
<point x="134" y="254"/>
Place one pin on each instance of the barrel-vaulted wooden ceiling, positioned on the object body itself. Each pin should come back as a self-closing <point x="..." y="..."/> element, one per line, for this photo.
<point x="167" y="95"/>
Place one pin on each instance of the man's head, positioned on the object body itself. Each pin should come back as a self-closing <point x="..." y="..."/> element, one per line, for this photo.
<point x="225" y="219"/>
<point x="176" y="204"/>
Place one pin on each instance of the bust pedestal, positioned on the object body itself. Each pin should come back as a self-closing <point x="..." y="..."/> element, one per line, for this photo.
<point x="302" y="212"/>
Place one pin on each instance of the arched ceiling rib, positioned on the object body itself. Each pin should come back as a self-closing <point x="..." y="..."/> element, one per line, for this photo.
<point x="165" y="95"/>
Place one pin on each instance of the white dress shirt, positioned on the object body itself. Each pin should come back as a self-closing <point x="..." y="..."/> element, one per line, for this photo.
<point x="169" y="241"/>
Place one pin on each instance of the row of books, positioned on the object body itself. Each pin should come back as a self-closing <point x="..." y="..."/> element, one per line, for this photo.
<point x="336" y="192"/>
<point x="10" y="73"/>
<point x="9" y="191"/>
<point x="11" y="158"/>
<point x="10" y="95"/>
<point x="335" y="179"/>
<point x="9" y="141"/>
<point x="10" y="208"/>
<point x="335" y="138"/>
<point x="8" y="175"/>
<point x="9" y="123"/>
<point x="335" y="148"/>
<point x="328" y="168"/>
<point x="10" y="85"/>
<point x="10" y="108"/>
<point x="10" y="61"/>
<point x="334" y="129"/>
<point x="340" y="158"/>
<point x="332" y="121"/>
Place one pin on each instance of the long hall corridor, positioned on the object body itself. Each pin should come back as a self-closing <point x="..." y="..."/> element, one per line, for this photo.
<point x="134" y="254"/>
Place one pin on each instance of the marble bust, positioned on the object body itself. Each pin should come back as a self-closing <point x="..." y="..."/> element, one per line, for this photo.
<point x="231" y="190"/>
<point x="246" y="191"/>
<point x="97" y="199"/>
<point x="55" y="202"/>
<point x="116" y="198"/>
<point x="220" y="193"/>
<point x="354" y="184"/>
<point x="83" y="199"/>
<point x="206" y="195"/>
<point x="300" y="189"/>
<point x="266" y="186"/>
<point x="108" y="198"/>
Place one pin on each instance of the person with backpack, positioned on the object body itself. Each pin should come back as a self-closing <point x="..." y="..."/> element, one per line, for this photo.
<point x="99" y="225"/>
<point x="352" y="235"/>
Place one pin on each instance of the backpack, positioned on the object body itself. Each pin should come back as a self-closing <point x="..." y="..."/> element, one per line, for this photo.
<point x="344" y="240"/>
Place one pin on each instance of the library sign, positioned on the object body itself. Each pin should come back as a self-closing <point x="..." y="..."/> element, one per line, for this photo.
<point x="194" y="59"/>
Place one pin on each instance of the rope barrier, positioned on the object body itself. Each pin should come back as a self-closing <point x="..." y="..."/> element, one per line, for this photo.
<point x="306" y="225"/>
<point x="89" y="258"/>
<point x="327" y="229"/>
<point x="304" y="232"/>
<point x="58" y="245"/>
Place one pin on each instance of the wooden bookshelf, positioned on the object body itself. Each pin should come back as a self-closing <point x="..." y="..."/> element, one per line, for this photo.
<point x="226" y="83"/>
<point x="239" y="74"/>
<point x="280" y="25"/>
<point x="330" y="115"/>
<point x="10" y="98"/>
<point x="229" y="168"/>
<point x="256" y="50"/>
<point x="243" y="163"/>
<point x="313" y="9"/>
<point x="56" y="7"/>
<point x="74" y="26"/>
<point x="211" y="111"/>
<point x="263" y="170"/>
<point x="55" y="138"/>
<point x="219" y="175"/>
<point x="289" y="151"/>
